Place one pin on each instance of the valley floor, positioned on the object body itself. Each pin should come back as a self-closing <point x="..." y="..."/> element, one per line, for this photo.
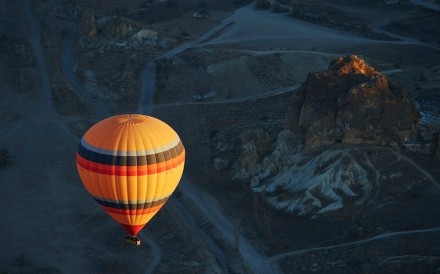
<point x="51" y="93"/>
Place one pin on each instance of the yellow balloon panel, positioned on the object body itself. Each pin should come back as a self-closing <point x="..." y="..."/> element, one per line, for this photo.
<point x="131" y="188"/>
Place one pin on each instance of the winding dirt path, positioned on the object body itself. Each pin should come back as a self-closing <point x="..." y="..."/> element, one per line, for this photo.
<point x="426" y="4"/>
<point x="68" y="62"/>
<point x="255" y="260"/>
<point x="375" y="238"/>
<point x="148" y="87"/>
<point x="216" y="254"/>
<point x="416" y="166"/>
<point x="157" y="253"/>
<point x="45" y="98"/>
<point x="235" y="99"/>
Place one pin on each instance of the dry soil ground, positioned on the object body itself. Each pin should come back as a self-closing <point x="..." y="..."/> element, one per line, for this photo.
<point x="49" y="223"/>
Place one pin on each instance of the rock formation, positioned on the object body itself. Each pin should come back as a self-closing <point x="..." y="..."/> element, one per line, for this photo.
<point x="351" y="103"/>
<point x="120" y="27"/>
<point x="146" y="35"/>
<point x="87" y="26"/>
<point x="255" y="144"/>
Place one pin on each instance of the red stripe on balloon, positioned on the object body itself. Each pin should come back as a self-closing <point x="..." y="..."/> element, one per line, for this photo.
<point x="131" y="212"/>
<point x="129" y="170"/>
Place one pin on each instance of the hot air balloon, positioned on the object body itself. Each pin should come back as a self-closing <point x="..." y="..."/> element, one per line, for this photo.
<point x="130" y="164"/>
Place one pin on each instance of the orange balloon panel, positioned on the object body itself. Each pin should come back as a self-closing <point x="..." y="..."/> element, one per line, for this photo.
<point x="130" y="164"/>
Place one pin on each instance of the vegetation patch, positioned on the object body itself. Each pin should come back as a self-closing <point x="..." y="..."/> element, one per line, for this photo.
<point x="5" y="158"/>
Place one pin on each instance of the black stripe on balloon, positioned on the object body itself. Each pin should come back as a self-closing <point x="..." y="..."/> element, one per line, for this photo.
<point x="130" y="160"/>
<point x="125" y="206"/>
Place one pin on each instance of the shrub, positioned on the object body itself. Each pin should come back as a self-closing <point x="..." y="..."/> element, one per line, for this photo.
<point x="5" y="158"/>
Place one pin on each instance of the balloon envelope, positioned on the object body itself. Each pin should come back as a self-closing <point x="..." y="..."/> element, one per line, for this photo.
<point x="130" y="164"/>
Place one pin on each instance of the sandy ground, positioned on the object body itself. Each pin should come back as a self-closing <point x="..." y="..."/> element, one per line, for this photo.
<point x="48" y="220"/>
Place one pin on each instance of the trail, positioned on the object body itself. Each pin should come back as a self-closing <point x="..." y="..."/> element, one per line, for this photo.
<point x="43" y="99"/>
<point x="148" y="73"/>
<point x="403" y="39"/>
<point x="415" y="165"/>
<point x="157" y="253"/>
<point x="148" y="87"/>
<point x="35" y="40"/>
<point x="378" y="27"/>
<point x="375" y="238"/>
<point x="257" y="262"/>
<point x="236" y="99"/>
<point x="206" y="241"/>
<point x="426" y="4"/>
<point x="67" y="60"/>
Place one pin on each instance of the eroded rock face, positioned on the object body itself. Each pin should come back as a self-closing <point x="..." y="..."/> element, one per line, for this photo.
<point x="119" y="27"/>
<point x="87" y="26"/>
<point x="255" y="143"/>
<point x="351" y="103"/>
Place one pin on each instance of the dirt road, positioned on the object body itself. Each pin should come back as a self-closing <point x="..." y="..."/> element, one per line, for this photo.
<point x="360" y="242"/>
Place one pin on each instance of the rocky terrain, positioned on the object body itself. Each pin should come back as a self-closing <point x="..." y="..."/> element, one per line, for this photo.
<point x="351" y="103"/>
<point x="344" y="183"/>
<point x="316" y="151"/>
<point x="338" y="128"/>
